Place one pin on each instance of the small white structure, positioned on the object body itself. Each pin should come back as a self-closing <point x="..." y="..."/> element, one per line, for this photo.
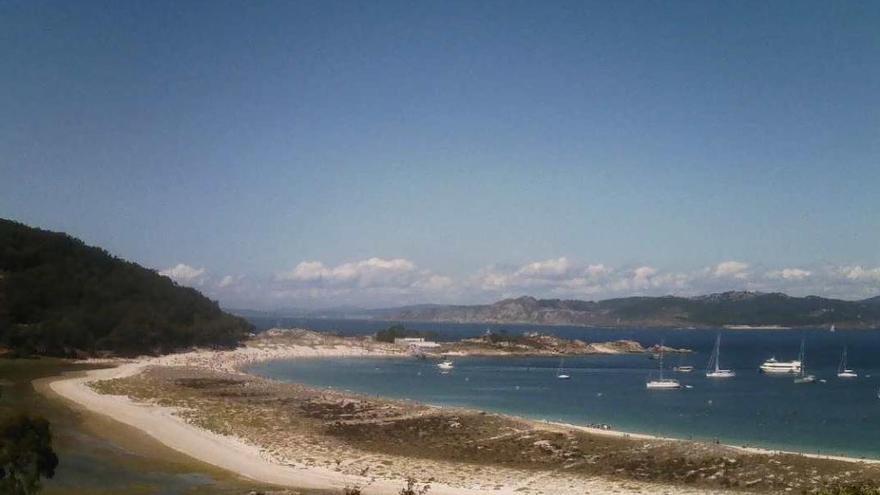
<point x="418" y="342"/>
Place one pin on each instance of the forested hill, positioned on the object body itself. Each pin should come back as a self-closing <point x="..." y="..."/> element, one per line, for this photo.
<point x="728" y="308"/>
<point x="61" y="297"/>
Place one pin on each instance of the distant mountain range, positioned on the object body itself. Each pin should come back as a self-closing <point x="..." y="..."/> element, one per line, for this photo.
<point x="727" y="308"/>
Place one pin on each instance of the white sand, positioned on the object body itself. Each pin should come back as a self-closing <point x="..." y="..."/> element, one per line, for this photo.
<point x="245" y="459"/>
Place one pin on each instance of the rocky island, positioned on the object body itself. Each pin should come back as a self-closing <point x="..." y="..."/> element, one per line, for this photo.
<point x="540" y="344"/>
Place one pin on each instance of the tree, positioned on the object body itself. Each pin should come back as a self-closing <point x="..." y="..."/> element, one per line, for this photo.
<point x="26" y="454"/>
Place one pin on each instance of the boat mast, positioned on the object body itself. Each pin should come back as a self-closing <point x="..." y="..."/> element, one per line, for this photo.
<point x="661" y="360"/>
<point x="802" y="357"/>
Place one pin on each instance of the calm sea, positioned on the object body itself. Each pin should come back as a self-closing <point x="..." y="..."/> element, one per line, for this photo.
<point x="835" y="417"/>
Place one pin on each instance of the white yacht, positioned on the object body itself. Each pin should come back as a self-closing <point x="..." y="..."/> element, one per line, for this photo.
<point x="661" y="383"/>
<point x="803" y="377"/>
<point x="446" y="365"/>
<point x="560" y="372"/>
<point x="774" y="367"/>
<point x="843" y="370"/>
<point x="713" y="370"/>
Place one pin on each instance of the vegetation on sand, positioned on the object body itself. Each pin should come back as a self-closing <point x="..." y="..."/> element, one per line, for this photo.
<point x="399" y="332"/>
<point x="26" y="454"/>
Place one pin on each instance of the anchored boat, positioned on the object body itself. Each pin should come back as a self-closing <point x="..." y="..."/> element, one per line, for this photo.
<point x="713" y="370"/>
<point x="803" y="377"/>
<point x="560" y="372"/>
<point x="446" y="365"/>
<point x="661" y="383"/>
<point x="843" y="370"/>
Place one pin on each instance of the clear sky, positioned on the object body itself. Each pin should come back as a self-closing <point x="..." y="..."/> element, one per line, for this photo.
<point x="377" y="153"/>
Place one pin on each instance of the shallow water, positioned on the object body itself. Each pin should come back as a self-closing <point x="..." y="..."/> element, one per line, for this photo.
<point x="836" y="417"/>
<point x="98" y="456"/>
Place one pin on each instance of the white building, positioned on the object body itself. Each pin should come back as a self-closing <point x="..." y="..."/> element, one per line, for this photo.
<point x="419" y="342"/>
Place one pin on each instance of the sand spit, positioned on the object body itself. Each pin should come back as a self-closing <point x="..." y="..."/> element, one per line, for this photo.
<point x="201" y="404"/>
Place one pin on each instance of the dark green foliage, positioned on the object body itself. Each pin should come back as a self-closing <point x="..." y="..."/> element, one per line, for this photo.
<point x="60" y="297"/>
<point x="26" y="454"/>
<point x="399" y="332"/>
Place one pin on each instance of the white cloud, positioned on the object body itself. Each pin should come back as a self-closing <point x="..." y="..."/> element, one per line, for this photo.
<point x="380" y="281"/>
<point x="435" y="283"/>
<point x="790" y="274"/>
<point x="229" y="281"/>
<point x="373" y="272"/>
<point x="184" y="274"/>
<point x="547" y="269"/>
<point x="861" y="274"/>
<point x="733" y="269"/>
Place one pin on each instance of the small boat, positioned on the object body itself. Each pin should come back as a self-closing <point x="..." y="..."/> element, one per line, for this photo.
<point x="832" y="329"/>
<point x="713" y="369"/>
<point x="560" y="372"/>
<point x="682" y="368"/>
<point x="803" y="377"/>
<point x="842" y="370"/>
<point x="446" y="365"/>
<point x="661" y="383"/>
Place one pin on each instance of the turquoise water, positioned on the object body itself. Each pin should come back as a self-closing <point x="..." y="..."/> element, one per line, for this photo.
<point x="836" y="417"/>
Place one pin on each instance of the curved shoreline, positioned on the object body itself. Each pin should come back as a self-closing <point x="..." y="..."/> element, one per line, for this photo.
<point x="247" y="460"/>
<point x="616" y="433"/>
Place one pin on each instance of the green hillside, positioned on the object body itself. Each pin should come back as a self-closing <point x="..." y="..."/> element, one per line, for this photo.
<point x="61" y="297"/>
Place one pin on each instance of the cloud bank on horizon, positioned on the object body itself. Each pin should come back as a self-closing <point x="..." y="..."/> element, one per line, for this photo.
<point x="378" y="282"/>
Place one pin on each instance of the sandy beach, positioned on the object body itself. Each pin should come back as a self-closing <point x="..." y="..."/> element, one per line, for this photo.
<point x="254" y="457"/>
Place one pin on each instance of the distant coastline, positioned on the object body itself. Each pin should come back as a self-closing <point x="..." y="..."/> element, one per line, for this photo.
<point x="735" y="309"/>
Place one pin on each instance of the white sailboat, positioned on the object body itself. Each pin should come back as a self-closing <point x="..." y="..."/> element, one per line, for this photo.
<point x="842" y="370"/>
<point x="803" y="377"/>
<point x="713" y="369"/>
<point x="832" y="328"/>
<point x="560" y="372"/>
<point x="662" y="383"/>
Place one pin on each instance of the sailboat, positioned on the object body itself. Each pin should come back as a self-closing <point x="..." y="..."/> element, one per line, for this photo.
<point x="832" y="328"/>
<point x="662" y="383"/>
<point x="713" y="369"/>
<point x="560" y="372"/>
<point x="803" y="377"/>
<point x="842" y="370"/>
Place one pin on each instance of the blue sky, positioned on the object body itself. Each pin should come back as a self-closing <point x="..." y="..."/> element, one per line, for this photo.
<point x="321" y="153"/>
